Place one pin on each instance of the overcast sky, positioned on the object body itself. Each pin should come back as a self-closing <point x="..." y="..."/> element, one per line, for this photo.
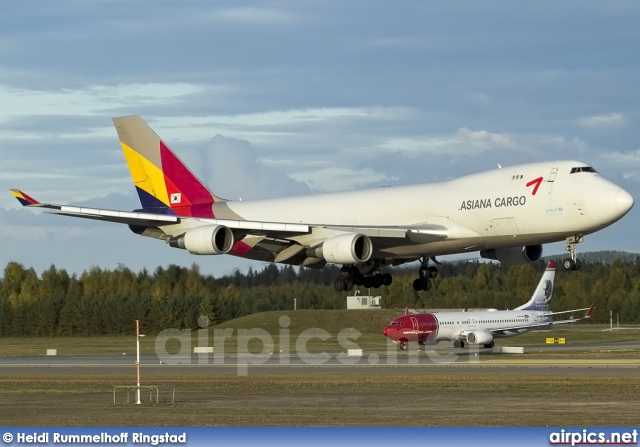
<point x="269" y="98"/>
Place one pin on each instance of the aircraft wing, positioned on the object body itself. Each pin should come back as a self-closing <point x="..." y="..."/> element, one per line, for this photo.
<point x="124" y="217"/>
<point x="275" y="241"/>
<point x="146" y="219"/>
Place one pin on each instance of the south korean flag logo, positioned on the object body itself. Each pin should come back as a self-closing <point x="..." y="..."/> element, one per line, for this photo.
<point x="176" y="198"/>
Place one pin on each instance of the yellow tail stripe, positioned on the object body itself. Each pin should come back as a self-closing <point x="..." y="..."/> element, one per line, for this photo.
<point x="146" y="175"/>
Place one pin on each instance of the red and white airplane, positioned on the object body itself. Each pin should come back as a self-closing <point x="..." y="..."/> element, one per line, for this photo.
<point x="506" y="214"/>
<point x="481" y="327"/>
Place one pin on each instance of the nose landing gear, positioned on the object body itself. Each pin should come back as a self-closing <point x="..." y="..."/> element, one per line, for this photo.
<point x="572" y="263"/>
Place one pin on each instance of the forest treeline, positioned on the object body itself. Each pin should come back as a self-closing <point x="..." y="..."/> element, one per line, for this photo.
<point x="100" y="302"/>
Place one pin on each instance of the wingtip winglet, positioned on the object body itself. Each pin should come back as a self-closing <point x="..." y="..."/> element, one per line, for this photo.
<point x="23" y="198"/>
<point x="590" y="311"/>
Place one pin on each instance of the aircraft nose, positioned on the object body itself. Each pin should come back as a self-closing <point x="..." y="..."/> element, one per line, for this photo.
<point x="605" y="201"/>
<point x="624" y="201"/>
<point x="384" y="332"/>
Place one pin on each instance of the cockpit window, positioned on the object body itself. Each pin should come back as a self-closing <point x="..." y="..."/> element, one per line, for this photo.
<point x="397" y="323"/>
<point x="583" y="169"/>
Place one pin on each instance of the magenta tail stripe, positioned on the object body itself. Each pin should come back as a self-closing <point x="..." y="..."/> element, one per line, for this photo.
<point x="182" y="178"/>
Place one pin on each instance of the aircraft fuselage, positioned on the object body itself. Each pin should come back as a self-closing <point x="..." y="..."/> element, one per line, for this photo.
<point x="521" y="205"/>
<point x="431" y="328"/>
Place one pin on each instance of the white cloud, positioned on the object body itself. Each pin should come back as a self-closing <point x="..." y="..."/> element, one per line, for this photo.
<point x="603" y="121"/>
<point x="231" y="169"/>
<point x="95" y="99"/>
<point x="628" y="163"/>
<point x="483" y="136"/>
<point x="258" y="123"/>
<point x="452" y="144"/>
<point x="432" y="144"/>
<point x="333" y="179"/>
<point x="253" y="15"/>
<point x="29" y="234"/>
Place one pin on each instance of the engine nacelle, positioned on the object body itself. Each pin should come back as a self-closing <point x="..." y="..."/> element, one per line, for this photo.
<point x="350" y="248"/>
<point x="479" y="338"/>
<point x="208" y="240"/>
<point x="514" y="255"/>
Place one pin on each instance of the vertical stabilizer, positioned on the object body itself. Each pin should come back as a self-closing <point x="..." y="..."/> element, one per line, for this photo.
<point x="541" y="298"/>
<point x="165" y="185"/>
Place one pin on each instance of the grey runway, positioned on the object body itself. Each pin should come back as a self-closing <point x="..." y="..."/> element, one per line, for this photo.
<point x="381" y="360"/>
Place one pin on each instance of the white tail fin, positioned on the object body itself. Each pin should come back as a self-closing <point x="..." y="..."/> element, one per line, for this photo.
<point x="541" y="298"/>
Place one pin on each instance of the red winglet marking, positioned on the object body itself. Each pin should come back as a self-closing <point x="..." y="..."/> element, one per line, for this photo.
<point x="537" y="182"/>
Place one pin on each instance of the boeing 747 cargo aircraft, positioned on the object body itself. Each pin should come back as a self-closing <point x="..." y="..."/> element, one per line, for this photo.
<point x="505" y="214"/>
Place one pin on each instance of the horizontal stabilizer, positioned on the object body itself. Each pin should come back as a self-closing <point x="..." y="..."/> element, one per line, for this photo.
<point x="573" y="320"/>
<point x="549" y="323"/>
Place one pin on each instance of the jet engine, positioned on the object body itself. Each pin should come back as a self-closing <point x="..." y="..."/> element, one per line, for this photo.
<point x="206" y="240"/>
<point x="350" y="248"/>
<point x="479" y="338"/>
<point x="514" y="255"/>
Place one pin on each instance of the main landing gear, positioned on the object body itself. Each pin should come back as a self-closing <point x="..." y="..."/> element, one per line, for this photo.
<point x="425" y="275"/>
<point x="572" y="263"/>
<point x="350" y="276"/>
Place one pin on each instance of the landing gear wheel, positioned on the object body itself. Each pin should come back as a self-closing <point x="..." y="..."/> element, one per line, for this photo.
<point x="402" y="347"/>
<point x="490" y="345"/>
<point x="422" y="284"/>
<point x="340" y="285"/>
<point x="569" y="264"/>
<point x="358" y="279"/>
<point x="458" y="344"/>
<point x="425" y="274"/>
<point x="387" y="279"/>
<point x="578" y="264"/>
<point x="367" y="281"/>
<point x="348" y="284"/>
<point x="428" y="272"/>
<point x="377" y="281"/>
